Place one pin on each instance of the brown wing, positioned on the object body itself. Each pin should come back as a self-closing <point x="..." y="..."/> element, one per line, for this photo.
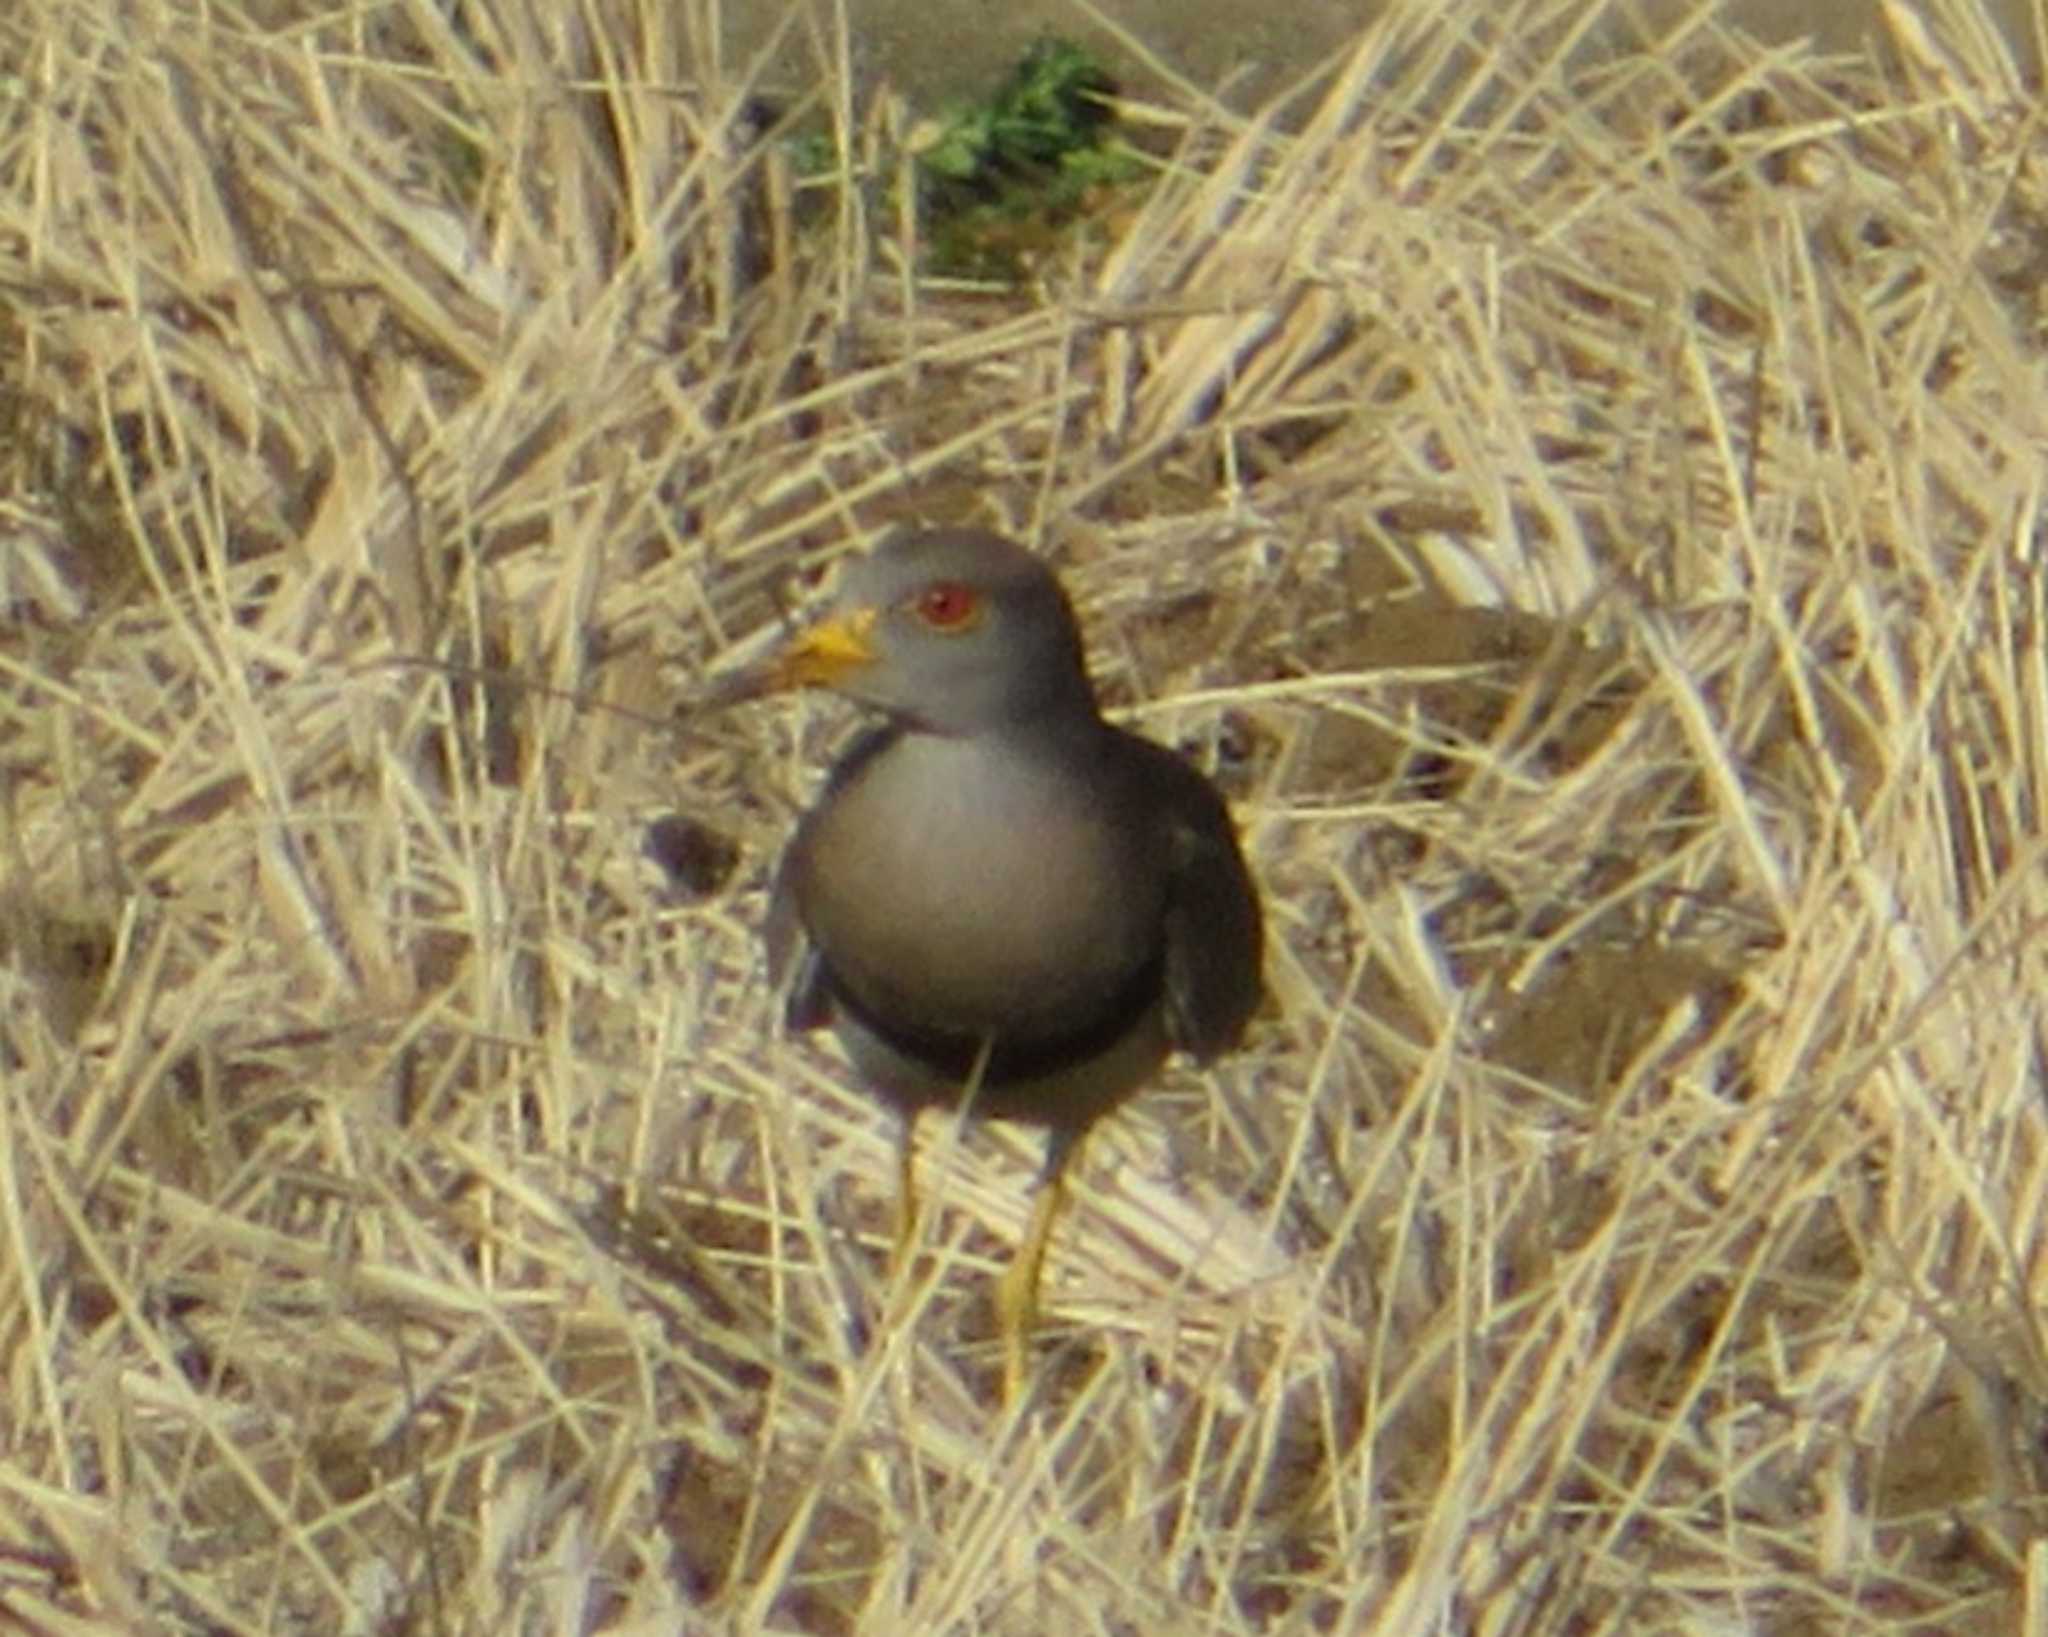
<point x="793" y="964"/>
<point x="1215" y="933"/>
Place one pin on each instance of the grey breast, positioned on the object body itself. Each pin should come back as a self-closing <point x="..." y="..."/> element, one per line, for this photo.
<point x="974" y="886"/>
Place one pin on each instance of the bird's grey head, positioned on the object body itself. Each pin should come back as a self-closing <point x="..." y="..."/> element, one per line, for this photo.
<point x="949" y="631"/>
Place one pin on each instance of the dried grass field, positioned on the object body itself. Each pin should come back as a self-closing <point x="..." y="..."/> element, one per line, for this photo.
<point x="1577" y="486"/>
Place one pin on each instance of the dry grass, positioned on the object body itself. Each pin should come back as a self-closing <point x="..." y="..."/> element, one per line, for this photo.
<point x="1581" y="487"/>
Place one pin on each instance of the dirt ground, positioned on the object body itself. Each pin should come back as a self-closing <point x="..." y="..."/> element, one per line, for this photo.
<point x="932" y="52"/>
<point x="1596" y="550"/>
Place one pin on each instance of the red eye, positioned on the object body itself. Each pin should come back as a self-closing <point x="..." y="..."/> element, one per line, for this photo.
<point x="948" y="605"/>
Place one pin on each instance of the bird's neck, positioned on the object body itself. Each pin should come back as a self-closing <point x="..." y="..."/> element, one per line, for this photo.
<point x="985" y="769"/>
<point x="1058" y="708"/>
<point x="1063" y="728"/>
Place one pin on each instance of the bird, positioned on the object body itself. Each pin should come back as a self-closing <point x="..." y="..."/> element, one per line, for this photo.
<point x="1000" y="903"/>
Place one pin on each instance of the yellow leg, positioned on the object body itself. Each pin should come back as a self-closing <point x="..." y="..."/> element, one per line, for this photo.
<point x="1017" y="1290"/>
<point x="905" y="1239"/>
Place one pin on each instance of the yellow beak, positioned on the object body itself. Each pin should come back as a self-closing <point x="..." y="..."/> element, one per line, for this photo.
<point x="816" y="657"/>
<point x="823" y="653"/>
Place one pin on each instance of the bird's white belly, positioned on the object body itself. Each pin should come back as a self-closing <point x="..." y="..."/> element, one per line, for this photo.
<point x="975" y="892"/>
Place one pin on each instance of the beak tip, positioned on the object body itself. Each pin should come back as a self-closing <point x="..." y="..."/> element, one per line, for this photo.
<point x="817" y="657"/>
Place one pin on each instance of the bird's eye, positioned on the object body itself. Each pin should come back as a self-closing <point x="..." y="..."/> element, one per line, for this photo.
<point x="948" y="605"/>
